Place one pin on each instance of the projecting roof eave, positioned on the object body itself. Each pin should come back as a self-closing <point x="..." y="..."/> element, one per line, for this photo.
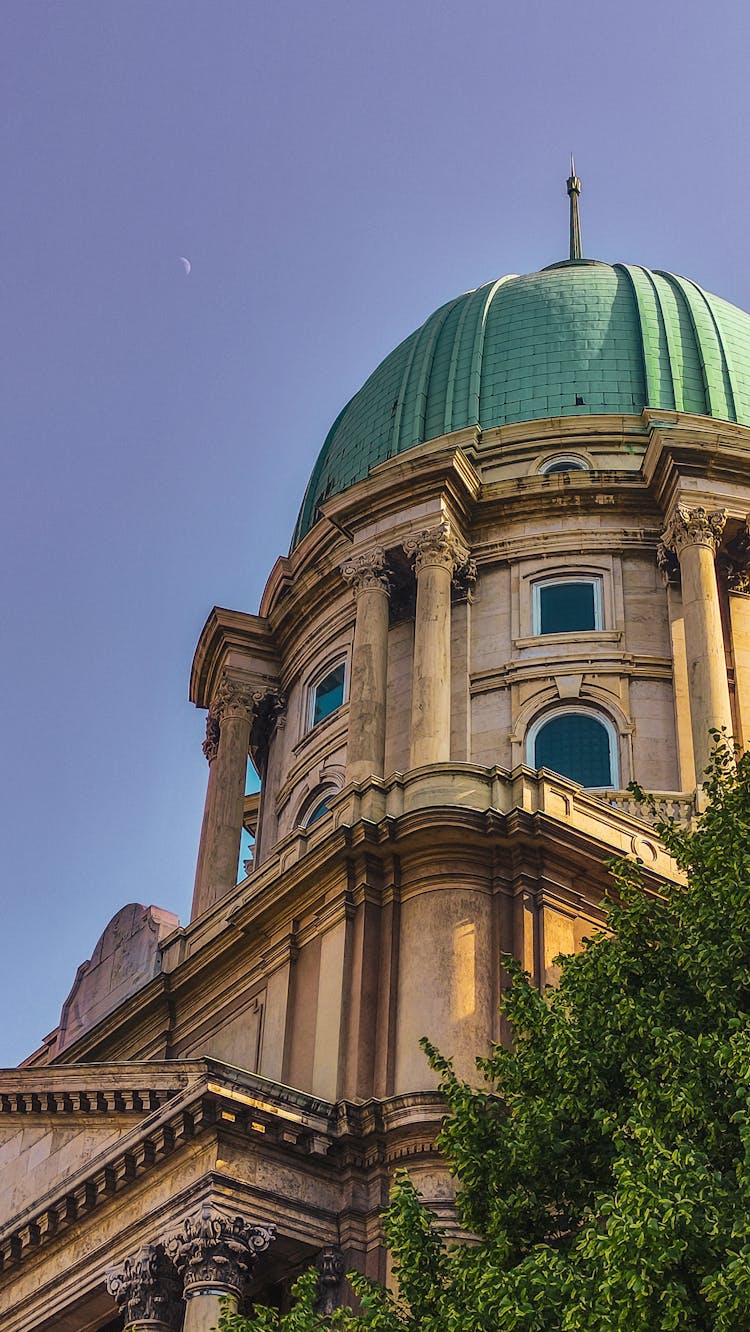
<point x="232" y="638"/>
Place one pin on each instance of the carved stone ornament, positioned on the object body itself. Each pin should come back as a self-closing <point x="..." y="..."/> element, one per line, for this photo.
<point x="217" y="1252"/>
<point x="232" y="699"/>
<point x="330" y="1276"/>
<point x="436" y="546"/>
<point x="270" y="705"/>
<point x="694" y="527"/>
<point x="736" y="562"/>
<point x="668" y="564"/>
<point x="464" y="581"/>
<point x="147" y="1289"/>
<point x="366" y="572"/>
<point x="211" y="742"/>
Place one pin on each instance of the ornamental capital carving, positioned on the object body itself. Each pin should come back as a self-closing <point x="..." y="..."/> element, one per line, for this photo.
<point x="694" y="527"/>
<point x="668" y="564"/>
<point x="233" y="698"/>
<point x="217" y="1252"/>
<point x="735" y="562"/>
<point x="330" y="1266"/>
<point x="366" y="572"/>
<point x="147" y="1288"/>
<point x="271" y="704"/>
<point x="211" y="743"/>
<point x="464" y="581"/>
<point x="436" y="546"/>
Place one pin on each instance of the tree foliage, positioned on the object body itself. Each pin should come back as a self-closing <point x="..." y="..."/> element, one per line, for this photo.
<point x="604" y="1161"/>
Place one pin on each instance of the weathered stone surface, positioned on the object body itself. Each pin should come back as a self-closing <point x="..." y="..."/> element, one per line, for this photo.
<point x="126" y="958"/>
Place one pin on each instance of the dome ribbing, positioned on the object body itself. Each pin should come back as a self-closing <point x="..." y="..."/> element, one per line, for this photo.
<point x="578" y="338"/>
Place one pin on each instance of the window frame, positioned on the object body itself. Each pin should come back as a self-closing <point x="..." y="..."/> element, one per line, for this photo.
<point x="609" y="728"/>
<point x="577" y="464"/>
<point x="315" y="683"/>
<point x="595" y="580"/>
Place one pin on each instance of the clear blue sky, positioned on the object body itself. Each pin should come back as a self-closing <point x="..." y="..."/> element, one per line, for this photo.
<point x="334" y="171"/>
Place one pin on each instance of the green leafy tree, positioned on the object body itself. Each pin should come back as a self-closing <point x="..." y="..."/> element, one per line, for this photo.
<point x="604" y="1162"/>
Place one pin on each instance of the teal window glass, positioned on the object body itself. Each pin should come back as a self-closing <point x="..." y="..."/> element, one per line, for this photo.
<point x="329" y="694"/>
<point x="576" y="746"/>
<point x="563" y="466"/>
<point x="567" y="607"/>
<point x="318" y="812"/>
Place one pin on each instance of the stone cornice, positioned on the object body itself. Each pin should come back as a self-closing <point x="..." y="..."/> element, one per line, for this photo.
<point x="233" y="640"/>
<point x="204" y="1096"/>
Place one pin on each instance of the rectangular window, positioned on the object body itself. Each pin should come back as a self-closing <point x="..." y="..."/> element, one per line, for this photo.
<point x="566" y="606"/>
<point x="328" y="694"/>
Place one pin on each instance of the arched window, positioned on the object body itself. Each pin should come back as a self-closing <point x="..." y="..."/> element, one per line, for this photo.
<point x="326" y="694"/>
<point x="318" y="810"/>
<point x="564" y="462"/>
<point x="576" y="743"/>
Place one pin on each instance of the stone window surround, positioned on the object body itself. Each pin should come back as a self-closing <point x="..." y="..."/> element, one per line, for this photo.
<point x="575" y="567"/>
<point x="337" y="658"/>
<point x="578" y="463"/>
<point x="581" y="710"/>
<point x="595" y="580"/>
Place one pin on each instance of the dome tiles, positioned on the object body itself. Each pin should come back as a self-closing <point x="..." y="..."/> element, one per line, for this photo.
<point x="578" y="338"/>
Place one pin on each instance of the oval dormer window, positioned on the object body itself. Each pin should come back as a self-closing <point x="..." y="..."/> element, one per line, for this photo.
<point x="564" y="462"/>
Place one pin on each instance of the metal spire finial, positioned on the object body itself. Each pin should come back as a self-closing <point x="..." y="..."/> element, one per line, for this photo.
<point x="574" y="189"/>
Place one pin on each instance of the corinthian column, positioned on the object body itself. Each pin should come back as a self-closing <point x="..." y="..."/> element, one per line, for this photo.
<point x="437" y="554"/>
<point x="694" y="535"/>
<point x="226" y="747"/>
<point x="367" y="688"/>
<point x="215" y="1256"/>
<point x="147" y="1291"/>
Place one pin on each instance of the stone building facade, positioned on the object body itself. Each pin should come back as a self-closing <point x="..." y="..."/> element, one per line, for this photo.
<point x="519" y="580"/>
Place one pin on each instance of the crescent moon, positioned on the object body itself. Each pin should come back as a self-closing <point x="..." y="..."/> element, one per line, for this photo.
<point x="186" y="264"/>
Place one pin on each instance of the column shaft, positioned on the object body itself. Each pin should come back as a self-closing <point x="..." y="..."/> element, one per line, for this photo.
<point x="369" y="670"/>
<point x="218" y="857"/>
<point x="694" y="535"/>
<point x="431" y="680"/>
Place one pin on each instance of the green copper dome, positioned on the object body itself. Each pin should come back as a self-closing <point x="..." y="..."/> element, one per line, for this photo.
<point x="575" y="339"/>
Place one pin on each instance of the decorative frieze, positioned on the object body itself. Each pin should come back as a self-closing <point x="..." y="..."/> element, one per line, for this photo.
<point x="147" y="1289"/>
<point x="694" y="527"/>
<point x="213" y="1252"/>
<point x="436" y="546"/>
<point x="366" y="572"/>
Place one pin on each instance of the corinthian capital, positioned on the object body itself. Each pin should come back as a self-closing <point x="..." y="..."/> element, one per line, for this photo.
<point x="217" y="1251"/>
<point x="436" y="546"/>
<point x="147" y="1288"/>
<point x="233" y="698"/>
<point x="270" y="705"/>
<point x="366" y="572"/>
<point x="694" y="527"/>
